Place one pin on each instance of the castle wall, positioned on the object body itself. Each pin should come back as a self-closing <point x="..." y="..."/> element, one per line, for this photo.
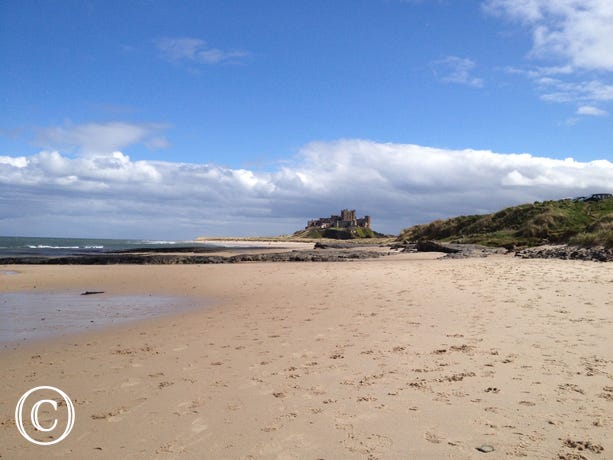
<point x="347" y="219"/>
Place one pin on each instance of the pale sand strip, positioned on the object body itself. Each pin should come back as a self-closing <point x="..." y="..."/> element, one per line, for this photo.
<point x="245" y="243"/>
<point x="386" y="358"/>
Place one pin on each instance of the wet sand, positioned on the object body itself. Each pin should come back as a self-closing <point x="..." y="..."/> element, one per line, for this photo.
<point x="29" y="316"/>
<point x="398" y="357"/>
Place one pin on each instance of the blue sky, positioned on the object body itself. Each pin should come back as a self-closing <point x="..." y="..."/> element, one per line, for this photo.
<point x="204" y="117"/>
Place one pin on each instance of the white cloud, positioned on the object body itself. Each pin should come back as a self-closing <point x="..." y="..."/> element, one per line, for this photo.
<point x="579" y="32"/>
<point x="16" y="162"/>
<point x="196" y="50"/>
<point x="397" y="184"/>
<point x="458" y="70"/>
<point x="555" y="90"/>
<point x="96" y="138"/>
<point x="591" y="110"/>
<point x="573" y="38"/>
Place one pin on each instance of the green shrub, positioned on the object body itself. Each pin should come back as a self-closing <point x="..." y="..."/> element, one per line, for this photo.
<point x="564" y="221"/>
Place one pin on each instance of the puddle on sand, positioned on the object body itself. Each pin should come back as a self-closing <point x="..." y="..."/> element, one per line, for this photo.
<point x="26" y="316"/>
<point x="8" y="272"/>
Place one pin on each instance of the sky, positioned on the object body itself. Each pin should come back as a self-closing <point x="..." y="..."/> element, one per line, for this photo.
<point x="171" y="120"/>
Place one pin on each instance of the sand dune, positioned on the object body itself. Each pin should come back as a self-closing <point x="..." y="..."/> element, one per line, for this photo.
<point x="399" y="357"/>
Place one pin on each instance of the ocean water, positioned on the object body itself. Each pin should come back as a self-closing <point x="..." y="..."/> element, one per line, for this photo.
<point x="19" y="246"/>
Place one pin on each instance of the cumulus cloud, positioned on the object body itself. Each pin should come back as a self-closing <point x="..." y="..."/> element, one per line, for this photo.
<point x="397" y="184"/>
<point x="96" y="138"/>
<point x="187" y="49"/>
<point x="458" y="70"/>
<point x="574" y="37"/>
<point x="579" y="32"/>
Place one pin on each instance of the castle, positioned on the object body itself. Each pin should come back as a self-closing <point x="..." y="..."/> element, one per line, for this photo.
<point x="347" y="219"/>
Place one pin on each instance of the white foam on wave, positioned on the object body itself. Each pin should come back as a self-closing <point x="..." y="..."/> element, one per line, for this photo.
<point x="44" y="246"/>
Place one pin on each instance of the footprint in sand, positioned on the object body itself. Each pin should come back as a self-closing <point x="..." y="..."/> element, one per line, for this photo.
<point x="432" y="437"/>
<point x="169" y="448"/>
<point x="582" y="446"/>
<point x="198" y="426"/>
<point x="111" y="416"/>
<point x="527" y="403"/>
<point x="607" y="393"/>
<point x="192" y="406"/>
<point x="368" y="445"/>
<point x="131" y="382"/>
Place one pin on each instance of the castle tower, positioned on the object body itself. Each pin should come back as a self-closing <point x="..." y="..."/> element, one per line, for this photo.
<point x="347" y="215"/>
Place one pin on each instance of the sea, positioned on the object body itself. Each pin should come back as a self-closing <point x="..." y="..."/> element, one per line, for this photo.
<point x="20" y="246"/>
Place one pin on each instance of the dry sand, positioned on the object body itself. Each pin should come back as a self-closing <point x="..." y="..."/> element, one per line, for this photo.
<point x="400" y="357"/>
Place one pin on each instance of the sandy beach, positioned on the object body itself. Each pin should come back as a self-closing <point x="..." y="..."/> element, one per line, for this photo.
<point x="404" y="357"/>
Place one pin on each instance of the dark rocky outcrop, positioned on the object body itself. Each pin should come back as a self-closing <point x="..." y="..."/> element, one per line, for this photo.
<point x="452" y="250"/>
<point x="336" y="255"/>
<point x="598" y="254"/>
<point x="331" y="245"/>
<point x="432" y="246"/>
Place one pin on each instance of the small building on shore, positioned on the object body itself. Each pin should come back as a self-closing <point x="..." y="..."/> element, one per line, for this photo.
<point x="347" y="219"/>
